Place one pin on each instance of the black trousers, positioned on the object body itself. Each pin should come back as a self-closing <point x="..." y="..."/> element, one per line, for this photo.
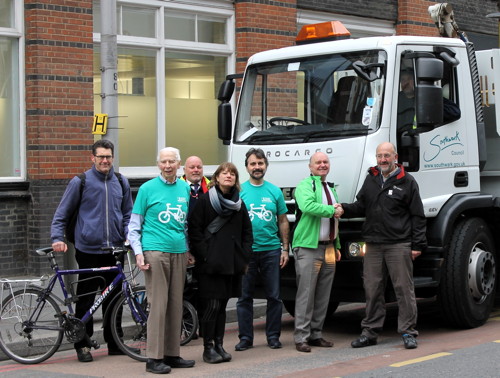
<point x="91" y="283"/>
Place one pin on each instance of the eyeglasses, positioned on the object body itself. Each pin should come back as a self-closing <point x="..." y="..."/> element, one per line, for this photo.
<point x="386" y="156"/>
<point x="102" y="157"/>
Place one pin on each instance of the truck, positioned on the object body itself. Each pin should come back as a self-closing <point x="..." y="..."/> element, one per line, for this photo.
<point x="342" y="96"/>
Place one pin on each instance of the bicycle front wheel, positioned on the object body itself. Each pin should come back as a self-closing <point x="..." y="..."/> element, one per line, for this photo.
<point x="129" y="323"/>
<point x="189" y="324"/>
<point x="30" y="331"/>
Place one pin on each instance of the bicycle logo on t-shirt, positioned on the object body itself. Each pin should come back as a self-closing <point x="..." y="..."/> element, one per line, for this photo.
<point x="261" y="212"/>
<point x="176" y="212"/>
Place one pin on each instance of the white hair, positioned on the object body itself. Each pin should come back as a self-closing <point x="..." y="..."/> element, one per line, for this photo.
<point x="176" y="152"/>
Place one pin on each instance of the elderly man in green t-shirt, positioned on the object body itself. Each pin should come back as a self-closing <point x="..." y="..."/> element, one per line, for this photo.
<point x="157" y="235"/>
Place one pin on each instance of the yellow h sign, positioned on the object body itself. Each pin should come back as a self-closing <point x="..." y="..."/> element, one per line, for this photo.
<point x="100" y="124"/>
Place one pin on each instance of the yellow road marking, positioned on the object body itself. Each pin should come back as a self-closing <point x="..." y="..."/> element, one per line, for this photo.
<point x="496" y="318"/>
<point x="497" y="341"/>
<point x="421" y="359"/>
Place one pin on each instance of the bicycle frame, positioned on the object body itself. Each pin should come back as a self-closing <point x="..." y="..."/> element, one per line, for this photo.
<point x="137" y="312"/>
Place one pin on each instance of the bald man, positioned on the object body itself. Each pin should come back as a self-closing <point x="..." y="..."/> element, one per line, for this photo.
<point x="316" y="249"/>
<point x="394" y="231"/>
<point x="193" y="175"/>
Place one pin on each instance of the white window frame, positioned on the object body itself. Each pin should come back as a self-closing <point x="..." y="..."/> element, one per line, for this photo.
<point x="18" y="32"/>
<point x="216" y="8"/>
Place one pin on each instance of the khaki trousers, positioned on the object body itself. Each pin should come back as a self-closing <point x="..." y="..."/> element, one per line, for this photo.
<point x="164" y="286"/>
<point x="381" y="261"/>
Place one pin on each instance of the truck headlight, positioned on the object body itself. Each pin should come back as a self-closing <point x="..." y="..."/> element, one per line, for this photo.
<point x="356" y="249"/>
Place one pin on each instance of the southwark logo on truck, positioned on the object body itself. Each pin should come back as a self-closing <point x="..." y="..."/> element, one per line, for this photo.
<point x="444" y="151"/>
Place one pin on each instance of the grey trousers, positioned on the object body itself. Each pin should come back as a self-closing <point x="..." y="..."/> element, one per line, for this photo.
<point x="164" y="287"/>
<point x="380" y="261"/>
<point x="315" y="270"/>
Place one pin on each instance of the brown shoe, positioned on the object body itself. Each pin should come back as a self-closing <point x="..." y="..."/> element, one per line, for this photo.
<point x="320" y="343"/>
<point x="303" y="347"/>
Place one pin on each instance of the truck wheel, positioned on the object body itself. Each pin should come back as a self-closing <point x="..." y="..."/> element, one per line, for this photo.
<point x="290" y="307"/>
<point x="467" y="288"/>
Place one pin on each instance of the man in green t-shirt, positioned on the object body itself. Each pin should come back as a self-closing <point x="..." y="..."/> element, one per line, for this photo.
<point x="267" y="209"/>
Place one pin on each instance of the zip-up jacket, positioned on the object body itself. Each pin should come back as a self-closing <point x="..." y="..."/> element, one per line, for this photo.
<point x="393" y="210"/>
<point x="309" y="198"/>
<point x="103" y="214"/>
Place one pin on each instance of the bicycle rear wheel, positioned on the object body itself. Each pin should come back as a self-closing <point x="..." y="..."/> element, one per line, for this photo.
<point x="129" y="331"/>
<point x="189" y="324"/>
<point x="30" y="341"/>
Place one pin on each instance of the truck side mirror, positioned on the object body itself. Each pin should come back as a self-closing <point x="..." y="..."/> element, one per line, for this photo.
<point x="224" y="122"/>
<point x="429" y="95"/>
<point x="226" y="90"/>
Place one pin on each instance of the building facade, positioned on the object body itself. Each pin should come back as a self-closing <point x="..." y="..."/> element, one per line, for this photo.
<point x="172" y="57"/>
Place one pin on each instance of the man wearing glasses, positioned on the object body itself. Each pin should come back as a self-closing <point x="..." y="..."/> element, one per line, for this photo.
<point x="103" y="203"/>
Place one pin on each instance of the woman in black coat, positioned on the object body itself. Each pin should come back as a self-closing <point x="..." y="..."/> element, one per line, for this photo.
<point x="220" y="238"/>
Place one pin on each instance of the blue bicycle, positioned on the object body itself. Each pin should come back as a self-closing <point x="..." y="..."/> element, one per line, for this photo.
<point x="32" y="324"/>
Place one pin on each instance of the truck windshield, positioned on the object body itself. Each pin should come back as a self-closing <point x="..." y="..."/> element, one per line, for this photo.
<point x="309" y="99"/>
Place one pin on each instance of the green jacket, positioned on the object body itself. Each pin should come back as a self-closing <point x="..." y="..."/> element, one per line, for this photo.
<point x="309" y="199"/>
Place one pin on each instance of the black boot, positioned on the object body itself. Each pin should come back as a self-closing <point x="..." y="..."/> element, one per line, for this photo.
<point x="226" y="357"/>
<point x="210" y="356"/>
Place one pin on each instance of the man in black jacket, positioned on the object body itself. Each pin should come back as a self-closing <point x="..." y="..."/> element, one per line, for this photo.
<point x="394" y="232"/>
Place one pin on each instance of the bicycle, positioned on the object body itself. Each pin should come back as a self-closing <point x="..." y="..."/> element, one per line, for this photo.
<point x="32" y="324"/>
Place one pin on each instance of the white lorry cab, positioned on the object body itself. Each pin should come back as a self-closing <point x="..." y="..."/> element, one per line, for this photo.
<point x="433" y="97"/>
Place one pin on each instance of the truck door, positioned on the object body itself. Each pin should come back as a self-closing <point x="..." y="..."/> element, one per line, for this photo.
<point x="412" y="78"/>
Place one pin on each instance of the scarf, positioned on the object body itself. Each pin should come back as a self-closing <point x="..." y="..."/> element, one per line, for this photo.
<point x="224" y="206"/>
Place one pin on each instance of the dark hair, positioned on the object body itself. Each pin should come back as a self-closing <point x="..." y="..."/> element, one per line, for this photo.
<point x="103" y="143"/>
<point x="227" y="166"/>
<point x="259" y="154"/>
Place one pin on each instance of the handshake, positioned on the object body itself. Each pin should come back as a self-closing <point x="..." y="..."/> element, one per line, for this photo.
<point x="338" y="210"/>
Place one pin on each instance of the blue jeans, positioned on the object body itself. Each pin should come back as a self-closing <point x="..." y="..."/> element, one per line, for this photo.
<point x="267" y="264"/>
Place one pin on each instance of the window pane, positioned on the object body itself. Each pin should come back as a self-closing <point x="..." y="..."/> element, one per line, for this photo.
<point x="136" y="105"/>
<point x="6" y="14"/>
<point x="10" y="165"/>
<point x="191" y="83"/>
<point x="180" y="26"/>
<point x="211" y="30"/>
<point x="139" y="22"/>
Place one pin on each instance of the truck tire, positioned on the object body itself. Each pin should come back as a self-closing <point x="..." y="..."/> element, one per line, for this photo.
<point x="467" y="288"/>
<point x="290" y="307"/>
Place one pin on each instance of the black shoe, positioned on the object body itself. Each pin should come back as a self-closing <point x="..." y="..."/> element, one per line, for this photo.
<point x="210" y="356"/>
<point x="409" y="341"/>
<point x="119" y="352"/>
<point x="84" y="355"/>
<point x="226" y="357"/>
<point x="178" y="362"/>
<point x="244" y="344"/>
<point x="274" y="344"/>
<point x="157" y="367"/>
<point x="363" y="341"/>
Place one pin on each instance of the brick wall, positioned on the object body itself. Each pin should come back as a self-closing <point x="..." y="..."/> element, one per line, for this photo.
<point x="59" y="86"/>
<point x="13" y="233"/>
<point x="263" y="25"/>
<point x="59" y="111"/>
<point x="410" y="16"/>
